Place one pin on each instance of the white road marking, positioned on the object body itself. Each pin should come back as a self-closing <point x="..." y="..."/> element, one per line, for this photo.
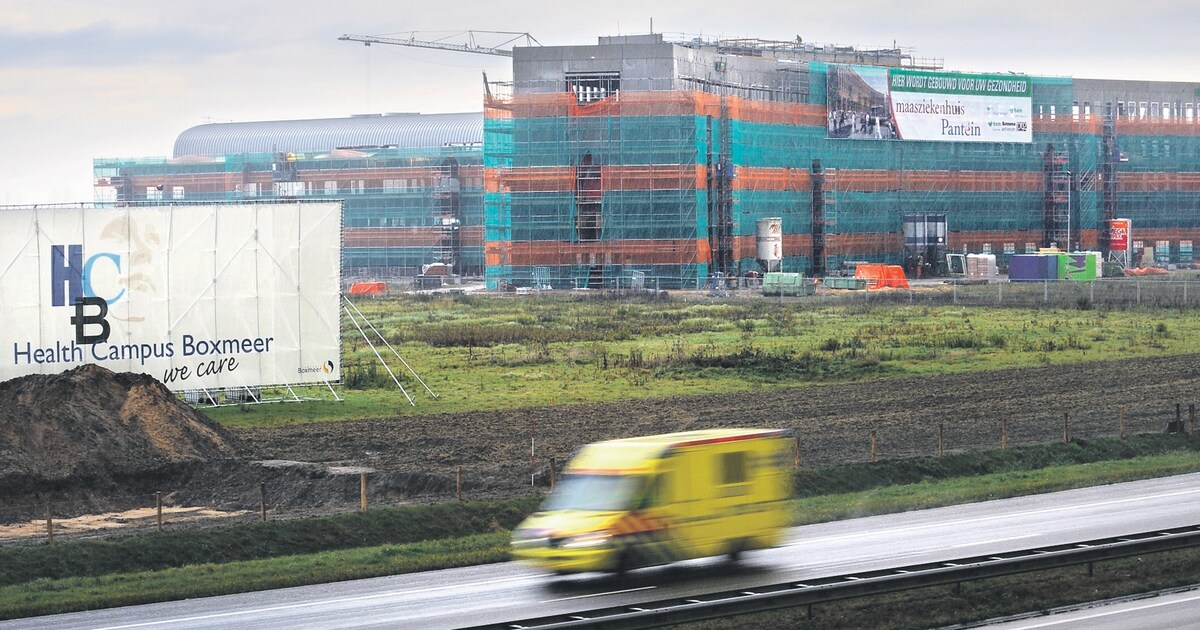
<point x="310" y="604"/>
<point x="628" y="590"/>
<point x="1105" y="613"/>
<point x="994" y="517"/>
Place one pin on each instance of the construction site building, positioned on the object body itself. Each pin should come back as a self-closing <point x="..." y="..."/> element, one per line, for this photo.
<point x="412" y="184"/>
<point x="639" y="161"/>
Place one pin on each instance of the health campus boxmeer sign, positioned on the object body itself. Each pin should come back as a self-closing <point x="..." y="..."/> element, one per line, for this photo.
<point x="198" y="296"/>
<point x="902" y="104"/>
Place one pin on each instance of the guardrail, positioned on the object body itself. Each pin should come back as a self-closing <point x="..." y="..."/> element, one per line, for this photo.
<point x="793" y="594"/>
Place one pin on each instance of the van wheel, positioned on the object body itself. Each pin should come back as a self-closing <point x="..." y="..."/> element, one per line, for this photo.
<point x="735" y="550"/>
<point x="624" y="564"/>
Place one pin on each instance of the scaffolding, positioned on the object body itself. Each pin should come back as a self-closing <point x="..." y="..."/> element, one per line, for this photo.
<point x="672" y="184"/>
<point x="405" y="208"/>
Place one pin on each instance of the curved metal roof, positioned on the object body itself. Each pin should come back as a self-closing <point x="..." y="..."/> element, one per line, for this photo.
<point x="325" y="134"/>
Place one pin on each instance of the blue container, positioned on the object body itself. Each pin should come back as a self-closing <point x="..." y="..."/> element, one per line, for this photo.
<point x="1026" y="267"/>
<point x="1048" y="266"/>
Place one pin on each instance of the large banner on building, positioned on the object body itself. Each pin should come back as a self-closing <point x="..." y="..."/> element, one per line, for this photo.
<point x="198" y="296"/>
<point x="867" y="102"/>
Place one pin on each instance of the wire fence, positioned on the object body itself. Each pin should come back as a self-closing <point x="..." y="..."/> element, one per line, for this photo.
<point x="297" y="489"/>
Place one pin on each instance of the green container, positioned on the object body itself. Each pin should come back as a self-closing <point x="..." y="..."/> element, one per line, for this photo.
<point x="1078" y="265"/>
<point x="777" y="284"/>
<point x="845" y="283"/>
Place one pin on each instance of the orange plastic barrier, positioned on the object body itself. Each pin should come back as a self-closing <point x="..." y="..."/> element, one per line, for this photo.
<point x="882" y="276"/>
<point x="368" y="288"/>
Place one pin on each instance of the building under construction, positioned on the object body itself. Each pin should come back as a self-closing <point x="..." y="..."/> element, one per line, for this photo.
<point x="642" y="162"/>
<point x="412" y="184"/>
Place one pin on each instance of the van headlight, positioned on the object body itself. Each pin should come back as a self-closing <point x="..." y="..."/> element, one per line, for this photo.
<point x="584" y="541"/>
<point x="527" y="538"/>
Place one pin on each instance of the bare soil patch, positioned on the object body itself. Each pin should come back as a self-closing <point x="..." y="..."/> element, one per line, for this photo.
<point x="96" y="442"/>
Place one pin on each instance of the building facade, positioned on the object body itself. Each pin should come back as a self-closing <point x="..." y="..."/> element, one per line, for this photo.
<point x="638" y="160"/>
<point x="412" y="184"/>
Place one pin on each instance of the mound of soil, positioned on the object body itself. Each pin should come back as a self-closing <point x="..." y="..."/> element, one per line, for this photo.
<point x="90" y="427"/>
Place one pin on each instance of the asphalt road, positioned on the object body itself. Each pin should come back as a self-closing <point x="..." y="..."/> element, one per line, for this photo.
<point x="494" y="593"/>
<point x="1163" y="612"/>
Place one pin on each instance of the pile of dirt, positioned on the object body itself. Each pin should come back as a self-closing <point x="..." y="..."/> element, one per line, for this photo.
<point x="93" y="428"/>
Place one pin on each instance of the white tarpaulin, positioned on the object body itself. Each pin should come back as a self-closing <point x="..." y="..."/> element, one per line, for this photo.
<point x="198" y="296"/>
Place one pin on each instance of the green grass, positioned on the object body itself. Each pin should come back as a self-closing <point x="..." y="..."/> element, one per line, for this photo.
<point x="48" y="595"/>
<point x="494" y="352"/>
<point x="89" y="574"/>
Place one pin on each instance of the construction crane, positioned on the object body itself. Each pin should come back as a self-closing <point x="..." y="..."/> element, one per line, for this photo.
<point x="440" y="44"/>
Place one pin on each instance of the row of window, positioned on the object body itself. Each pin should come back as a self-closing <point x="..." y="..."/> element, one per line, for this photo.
<point x="1131" y="110"/>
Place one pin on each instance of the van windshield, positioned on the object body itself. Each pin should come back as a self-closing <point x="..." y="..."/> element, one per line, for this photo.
<point x="594" y="492"/>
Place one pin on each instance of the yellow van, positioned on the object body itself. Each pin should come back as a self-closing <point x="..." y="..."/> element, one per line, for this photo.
<point x="652" y="500"/>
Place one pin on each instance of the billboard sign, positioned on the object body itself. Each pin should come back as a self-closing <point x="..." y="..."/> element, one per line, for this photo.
<point x="197" y="296"/>
<point x="867" y="102"/>
<point x="1118" y="235"/>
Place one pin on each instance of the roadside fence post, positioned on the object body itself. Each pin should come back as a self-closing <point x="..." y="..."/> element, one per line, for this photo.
<point x="262" y="499"/>
<point x="553" y="473"/>
<point x="1122" y="420"/>
<point x="796" y="458"/>
<point x="362" y="492"/>
<point x="458" y="483"/>
<point x="941" y="439"/>
<point x="49" y="524"/>
<point x="1003" y="433"/>
<point x="158" y="507"/>
<point x="1192" y="417"/>
<point x="874" y="443"/>
<point x="1066" y="427"/>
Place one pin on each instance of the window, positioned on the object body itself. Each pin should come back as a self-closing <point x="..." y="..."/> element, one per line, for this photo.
<point x="177" y="192"/>
<point x="154" y="193"/>
<point x="1010" y="249"/>
<point x="289" y="189"/>
<point x="733" y="468"/>
<point x="331" y="187"/>
<point x="251" y="189"/>
<point x="658" y="493"/>
<point x="392" y="185"/>
<point x="593" y="86"/>
<point x="1031" y="248"/>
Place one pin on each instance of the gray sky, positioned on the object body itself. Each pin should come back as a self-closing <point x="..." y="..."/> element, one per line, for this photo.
<point x="85" y="79"/>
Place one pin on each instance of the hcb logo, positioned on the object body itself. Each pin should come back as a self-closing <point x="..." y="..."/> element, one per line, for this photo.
<point x="82" y="320"/>
<point x="71" y="276"/>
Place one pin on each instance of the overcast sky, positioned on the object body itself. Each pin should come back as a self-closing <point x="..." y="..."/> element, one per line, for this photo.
<point x="84" y="79"/>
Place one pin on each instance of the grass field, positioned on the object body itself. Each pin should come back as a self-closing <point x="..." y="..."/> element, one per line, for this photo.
<point x="493" y="352"/>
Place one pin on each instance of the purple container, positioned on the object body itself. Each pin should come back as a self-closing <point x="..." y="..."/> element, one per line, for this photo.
<point x="1026" y="267"/>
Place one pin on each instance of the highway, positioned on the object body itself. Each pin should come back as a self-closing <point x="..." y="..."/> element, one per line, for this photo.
<point x="1164" y="612"/>
<point x="492" y="593"/>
